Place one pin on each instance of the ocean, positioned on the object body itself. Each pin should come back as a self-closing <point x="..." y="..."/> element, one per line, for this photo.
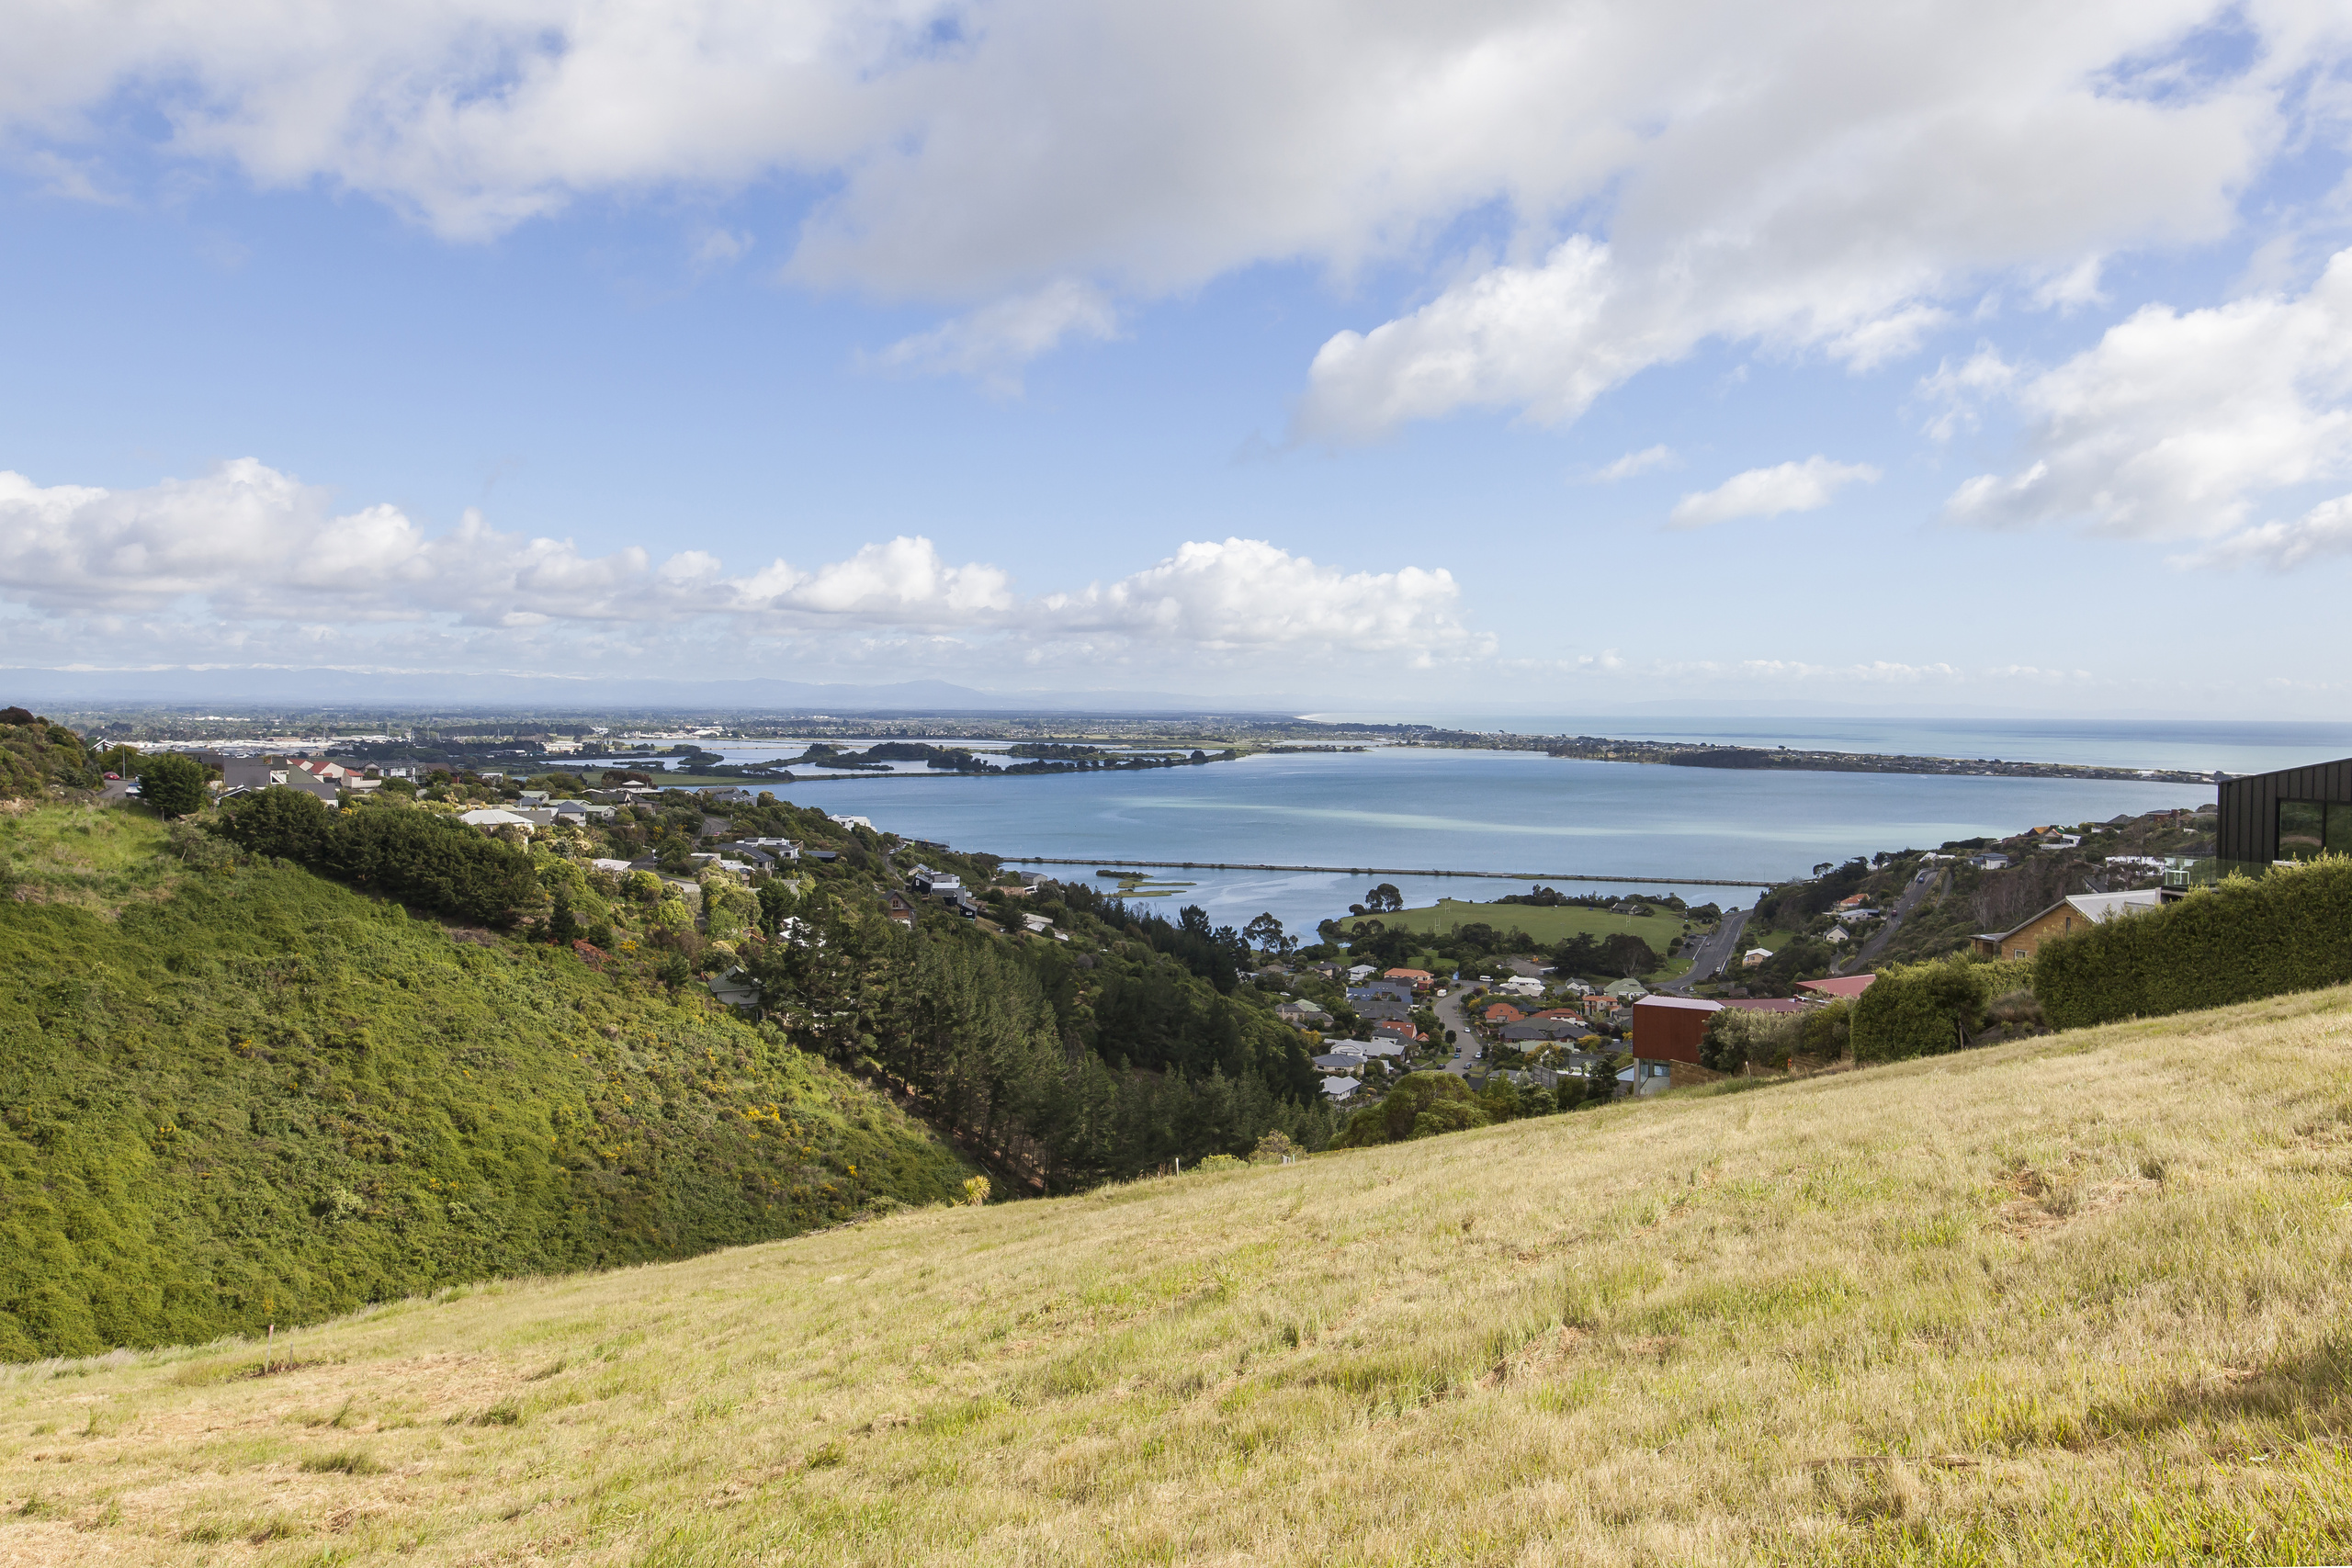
<point x="1500" y="811"/>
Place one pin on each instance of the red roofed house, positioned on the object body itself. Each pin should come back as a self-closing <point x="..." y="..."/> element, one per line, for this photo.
<point x="1502" y="1013"/>
<point x="1421" y="978"/>
<point x="1837" y="985"/>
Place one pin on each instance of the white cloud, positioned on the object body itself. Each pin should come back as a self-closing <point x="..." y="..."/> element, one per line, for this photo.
<point x="1247" y="593"/>
<point x="1960" y="388"/>
<point x="2326" y="530"/>
<point x="1633" y="463"/>
<point x="1772" y="155"/>
<point x="248" y="553"/>
<point x="991" y="344"/>
<point x="1767" y="492"/>
<point x="2177" y="421"/>
<point x="722" y="247"/>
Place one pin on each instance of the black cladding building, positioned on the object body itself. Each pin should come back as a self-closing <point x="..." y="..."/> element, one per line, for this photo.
<point x="2293" y="814"/>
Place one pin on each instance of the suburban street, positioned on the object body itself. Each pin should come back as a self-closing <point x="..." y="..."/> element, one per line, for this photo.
<point x="1450" y="1015"/>
<point x="1712" y="952"/>
<point x="1919" y="888"/>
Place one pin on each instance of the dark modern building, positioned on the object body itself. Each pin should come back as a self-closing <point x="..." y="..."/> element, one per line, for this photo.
<point x="2293" y="814"/>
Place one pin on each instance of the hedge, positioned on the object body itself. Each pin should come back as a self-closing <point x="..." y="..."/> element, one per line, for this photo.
<point x="1925" y="1009"/>
<point x="2243" y="938"/>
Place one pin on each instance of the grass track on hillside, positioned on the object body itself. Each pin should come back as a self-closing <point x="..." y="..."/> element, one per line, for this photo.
<point x="2078" y="1300"/>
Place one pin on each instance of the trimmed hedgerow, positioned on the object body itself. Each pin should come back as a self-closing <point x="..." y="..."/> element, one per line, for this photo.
<point x="1924" y="1009"/>
<point x="2241" y="940"/>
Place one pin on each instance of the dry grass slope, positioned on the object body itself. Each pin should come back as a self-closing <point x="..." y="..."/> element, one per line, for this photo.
<point x="2083" y="1299"/>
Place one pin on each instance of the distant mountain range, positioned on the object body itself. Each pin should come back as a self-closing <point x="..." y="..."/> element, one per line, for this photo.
<point x="265" y="688"/>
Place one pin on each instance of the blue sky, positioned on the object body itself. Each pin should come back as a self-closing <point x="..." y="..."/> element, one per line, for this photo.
<point x="1506" y="356"/>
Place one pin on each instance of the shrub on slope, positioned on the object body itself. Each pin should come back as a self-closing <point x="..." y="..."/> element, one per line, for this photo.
<point x="264" y="1097"/>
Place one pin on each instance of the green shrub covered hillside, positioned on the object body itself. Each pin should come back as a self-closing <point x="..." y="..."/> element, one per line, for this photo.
<point x="232" y="1093"/>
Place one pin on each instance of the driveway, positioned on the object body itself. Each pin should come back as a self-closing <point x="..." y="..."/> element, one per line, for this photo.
<point x="1712" y="953"/>
<point x="1917" y="888"/>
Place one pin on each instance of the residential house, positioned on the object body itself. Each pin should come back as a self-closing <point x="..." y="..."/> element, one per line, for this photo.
<point x="1989" y="862"/>
<point x="1404" y="1033"/>
<point x="1338" y="1062"/>
<point x="2078" y="912"/>
<point x="1754" y="957"/>
<point x="1305" y="1015"/>
<point x="617" y="867"/>
<point x="1501" y="1013"/>
<point x="1420" y="980"/>
<point x="1666" y="1035"/>
<point x="1341" y="1088"/>
<point x="1538" y="1030"/>
<point x="490" y="819"/>
<point x="782" y="848"/>
<point x="1358" y="973"/>
<point x="1836" y="985"/>
<point x="1626" y="991"/>
<point x="849" y="823"/>
<point x="936" y="884"/>
<point x="1836" y="936"/>
<point x="896" y="907"/>
<point x="736" y="988"/>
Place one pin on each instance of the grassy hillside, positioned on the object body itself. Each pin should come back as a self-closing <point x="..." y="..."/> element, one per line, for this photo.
<point x="236" y="1094"/>
<point x="1548" y="925"/>
<point x="2082" y="1299"/>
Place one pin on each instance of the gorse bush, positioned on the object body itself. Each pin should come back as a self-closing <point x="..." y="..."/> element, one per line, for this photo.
<point x="1923" y="1009"/>
<point x="264" y="1095"/>
<point x="2244" y="938"/>
<point x="418" y="857"/>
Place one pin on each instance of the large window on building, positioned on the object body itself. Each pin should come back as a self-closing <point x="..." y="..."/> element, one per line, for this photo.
<point x="2308" y="828"/>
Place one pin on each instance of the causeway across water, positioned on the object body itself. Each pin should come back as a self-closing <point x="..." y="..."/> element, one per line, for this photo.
<point x="1389" y="871"/>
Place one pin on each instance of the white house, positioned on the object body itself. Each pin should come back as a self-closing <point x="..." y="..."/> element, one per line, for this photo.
<point x="490" y="819"/>
<point x="1754" y="957"/>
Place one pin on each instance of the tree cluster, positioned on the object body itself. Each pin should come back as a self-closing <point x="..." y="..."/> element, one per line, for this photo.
<point x="417" y="857"/>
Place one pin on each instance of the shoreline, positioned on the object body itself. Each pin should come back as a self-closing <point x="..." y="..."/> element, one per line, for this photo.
<point x="1764" y="883"/>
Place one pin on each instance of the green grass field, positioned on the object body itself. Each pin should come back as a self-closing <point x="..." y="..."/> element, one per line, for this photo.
<point x="2077" y="1300"/>
<point x="1547" y="926"/>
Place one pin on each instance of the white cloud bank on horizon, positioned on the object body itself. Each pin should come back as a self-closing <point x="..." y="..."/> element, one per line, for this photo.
<point x="1829" y="176"/>
<point x="2178" y="424"/>
<point x="246" y="547"/>
<point x="1768" y="492"/>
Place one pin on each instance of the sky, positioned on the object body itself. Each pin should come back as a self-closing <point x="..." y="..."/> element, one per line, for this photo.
<point x="1496" y="356"/>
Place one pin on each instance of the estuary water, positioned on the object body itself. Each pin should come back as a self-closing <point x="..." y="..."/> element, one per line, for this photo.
<point x="1500" y="811"/>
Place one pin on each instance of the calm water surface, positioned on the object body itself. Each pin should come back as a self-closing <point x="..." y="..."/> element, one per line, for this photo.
<point x="1465" y="810"/>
